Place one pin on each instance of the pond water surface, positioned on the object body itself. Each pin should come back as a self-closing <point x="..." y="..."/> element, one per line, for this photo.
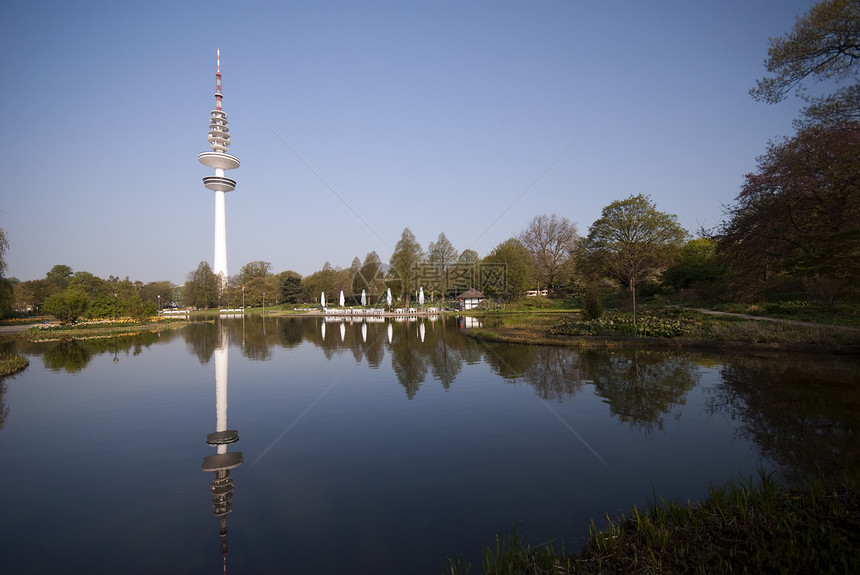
<point x="378" y="447"/>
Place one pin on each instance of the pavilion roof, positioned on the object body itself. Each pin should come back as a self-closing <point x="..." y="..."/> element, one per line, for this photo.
<point x="471" y="293"/>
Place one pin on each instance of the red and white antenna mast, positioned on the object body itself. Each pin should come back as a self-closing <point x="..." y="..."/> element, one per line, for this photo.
<point x="218" y="79"/>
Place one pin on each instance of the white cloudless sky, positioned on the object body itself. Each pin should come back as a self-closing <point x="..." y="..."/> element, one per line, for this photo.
<point x="355" y="120"/>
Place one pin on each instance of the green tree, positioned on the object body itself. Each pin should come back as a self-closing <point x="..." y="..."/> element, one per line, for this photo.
<point x="4" y="247"/>
<point x="697" y="262"/>
<point x="469" y="257"/>
<point x="60" y="275"/>
<point x="824" y="45"/>
<point x="291" y="286"/>
<point x="257" y="269"/>
<point x="517" y="265"/>
<point x="369" y="278"/>
<point x="68" y="305"/>
<point x="262" y="290"/>
<point x="160" y="293"/>
<point x="799" y="214"/>
<point x="202" y="287"/>
<point x="324" y="280"/>
<point x="31" y="295"/>
<point x="404" y="263"/>
<point x="6" y="291"/>
<point x="354" y="269"/>
<point x="465" y="271"/>
<point x="550" y="240"/>
<point x="92" y="285"/>
<point x="442" y="256"/>
<point x="633" y="241"/>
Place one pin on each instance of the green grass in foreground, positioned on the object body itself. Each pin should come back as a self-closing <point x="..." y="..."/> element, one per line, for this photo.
<point x="740" y="528"/>
<point x="12" y="363"/>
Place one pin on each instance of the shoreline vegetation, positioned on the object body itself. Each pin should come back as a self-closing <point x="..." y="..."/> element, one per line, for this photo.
<point x="657" y="326"/>
<point x="55" y="331"/>
<point x="741" y="527"/>
<point x="12" y="363"/>
<point x="670" y="328"/>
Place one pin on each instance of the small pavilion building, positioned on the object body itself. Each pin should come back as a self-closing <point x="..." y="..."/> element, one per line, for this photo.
<point x="470" y="299"/>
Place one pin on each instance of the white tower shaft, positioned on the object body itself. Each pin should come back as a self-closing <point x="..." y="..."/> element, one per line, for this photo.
<point x="221" y="387"/>
<point x="219" y="160"/>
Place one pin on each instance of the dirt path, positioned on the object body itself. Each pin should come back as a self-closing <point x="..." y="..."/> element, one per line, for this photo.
<point x="16" y="328"/>
<point x="773" y="319"/>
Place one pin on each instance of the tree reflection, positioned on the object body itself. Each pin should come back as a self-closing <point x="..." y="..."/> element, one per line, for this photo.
<point x="67" y="355"/>
<point x="409" y="358"/>
<point x="74" y="355"/>
<point x="4" y="407"/>
<point x="509" y="361"/>
<point x="257" y="341"/>
<point x="201" y="338"/>
<point x="446" y="360"/>
<point x="640" y="386"/>
<point x="555" y="373"/>
<point x="803" y="413"/>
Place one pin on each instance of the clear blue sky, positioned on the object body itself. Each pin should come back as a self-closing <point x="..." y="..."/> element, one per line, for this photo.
<point x="440" y="116"/>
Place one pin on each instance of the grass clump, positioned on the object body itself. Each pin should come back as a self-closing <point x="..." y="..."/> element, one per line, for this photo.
<point x="12" y="363"/>
<point x="740" y="528"/>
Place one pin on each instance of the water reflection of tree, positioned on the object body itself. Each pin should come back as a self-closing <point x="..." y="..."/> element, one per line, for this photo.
<point x="446" y="360"/>
<point x="509" y="361"/>
<point x="641" y="386"/>
<point x="802" y="412"/>
<point x="73" y="355"/>
<point x="292" y="332"/>
<point x="201" y="338"/>
<point x="409" y="359"/>
<point x="4" y="408"/>
<point x="68" y="355"/>
<point x="259" y="338"/>
<point x="375" y="350"/>
<point x="555" y="373"/>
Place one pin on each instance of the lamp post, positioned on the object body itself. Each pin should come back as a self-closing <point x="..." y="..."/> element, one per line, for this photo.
<point x="114" y="306"/>
<point x="159" y="304"/>
<point x="243" y="297"/>
<point x="264" y="303"/>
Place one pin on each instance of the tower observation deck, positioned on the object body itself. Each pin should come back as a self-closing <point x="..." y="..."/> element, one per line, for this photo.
<point x="219" y="160"/>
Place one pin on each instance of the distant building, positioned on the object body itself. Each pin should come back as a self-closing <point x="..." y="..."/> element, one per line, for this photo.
<point x="470" y="299"/>
<point x="535" y="293"/>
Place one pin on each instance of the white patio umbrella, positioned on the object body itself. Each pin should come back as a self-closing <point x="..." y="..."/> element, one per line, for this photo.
<point x="342" y="331"/>
<point x="363" y="298"/>
<point x="341" y="298"/>
<point x="388" y="298"/>
<point x="322" y="298"/>
<point x="390" y="333"/>
<point x="322" y="329"/>
<point x="364" y="332"/>
<point x="421" y="331"/>
<point x="421" y="295"/>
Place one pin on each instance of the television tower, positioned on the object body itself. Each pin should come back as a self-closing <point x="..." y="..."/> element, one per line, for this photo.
<point x="219" y="160"/>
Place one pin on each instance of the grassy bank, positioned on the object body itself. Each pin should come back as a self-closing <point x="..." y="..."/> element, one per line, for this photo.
<point x="93" y="329"/>
<point x="669" y="327"/>
<point x="744" y="527"/>
<point x="12" y="363"/>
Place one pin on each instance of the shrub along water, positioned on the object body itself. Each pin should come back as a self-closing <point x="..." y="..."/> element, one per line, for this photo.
<point x="742" y="527"/>
<point x="12" y="363"/>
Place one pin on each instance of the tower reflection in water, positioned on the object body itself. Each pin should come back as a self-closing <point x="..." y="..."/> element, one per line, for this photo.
<point x="223" y="461"/>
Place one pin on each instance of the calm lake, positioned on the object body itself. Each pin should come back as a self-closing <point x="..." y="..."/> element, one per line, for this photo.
<point x="378" y="447"/>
